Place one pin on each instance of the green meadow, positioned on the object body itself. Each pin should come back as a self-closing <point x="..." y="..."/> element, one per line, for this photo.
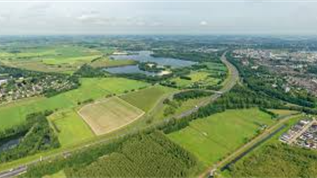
<point x="212" y="138"/>
<point x="70" y="127"/>
<point x="147" y="98"/>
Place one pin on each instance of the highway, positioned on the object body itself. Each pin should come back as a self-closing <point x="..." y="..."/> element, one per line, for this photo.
<point x="232" y="79"/>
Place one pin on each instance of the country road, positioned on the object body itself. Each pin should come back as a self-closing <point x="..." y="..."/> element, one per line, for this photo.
<point x="232" y="79"/>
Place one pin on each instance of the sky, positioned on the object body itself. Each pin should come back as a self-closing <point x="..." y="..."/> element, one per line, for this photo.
<point x="50" y="17"/>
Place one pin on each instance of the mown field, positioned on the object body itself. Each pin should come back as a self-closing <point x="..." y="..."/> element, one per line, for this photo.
<point x="109" y="114"/>
<point x="212" y="138"/>
<point x="147" y="98"/>
<point x="70" y="127"/>
<point x="15" y="112"/>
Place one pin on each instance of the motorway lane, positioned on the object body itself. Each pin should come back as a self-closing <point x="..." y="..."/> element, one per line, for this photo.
<point x="233" y="78"/>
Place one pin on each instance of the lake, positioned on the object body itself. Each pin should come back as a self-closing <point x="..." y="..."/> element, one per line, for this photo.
<point x="145" y="56"/>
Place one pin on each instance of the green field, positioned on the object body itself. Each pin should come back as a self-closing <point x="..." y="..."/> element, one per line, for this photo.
<point x="147" y="98"/>
<point x="15" y="112"/>
<point x="70" y="127"/>
<point x="212" y="138"/>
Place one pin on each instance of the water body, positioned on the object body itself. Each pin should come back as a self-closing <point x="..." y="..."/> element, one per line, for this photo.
<point x="145" y="56"/>
<point x="10" y="142"/>
<point x="128" y="70"/>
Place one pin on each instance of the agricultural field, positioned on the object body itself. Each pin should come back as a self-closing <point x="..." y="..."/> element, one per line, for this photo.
<point x="70" y="127"/>
<point x="109" y="114"/>
<point x="212" y="138"/>
<point x="14" y="113"/>
<point x="147" y="98"/>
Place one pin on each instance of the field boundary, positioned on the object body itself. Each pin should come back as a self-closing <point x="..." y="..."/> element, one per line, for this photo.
<point x="114" y="129"/>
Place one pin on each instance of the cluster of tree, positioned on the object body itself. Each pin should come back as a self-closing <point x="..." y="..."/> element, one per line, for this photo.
<point x="259" y="84"/>
<point x="191" y="94"/>
<point x="188" y="55"/>
<point x="150" y="67"/>
<point x="277" y="160"/>
<point x="172" y="105"/>
<point x="147" y="154"/>
<point x="89" y="71"/>
<point x="37" y="136"/>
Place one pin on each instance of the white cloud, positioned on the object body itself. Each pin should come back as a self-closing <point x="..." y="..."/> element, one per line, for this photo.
<point x="203" y="23"/>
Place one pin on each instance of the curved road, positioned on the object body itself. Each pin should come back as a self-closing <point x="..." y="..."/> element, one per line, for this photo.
<point x="232" y="79"/>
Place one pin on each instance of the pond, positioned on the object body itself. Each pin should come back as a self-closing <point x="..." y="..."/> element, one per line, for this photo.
<point x="145" y="56"/>
<point x="10" y="142"/>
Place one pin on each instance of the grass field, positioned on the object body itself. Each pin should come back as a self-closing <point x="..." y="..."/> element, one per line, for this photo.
<point x="147" y="98"/>
<point x="212" y="138"/>
<point x="15" y="112"/>
<point x="70" y="127"/>
<point x="110" y="114"/>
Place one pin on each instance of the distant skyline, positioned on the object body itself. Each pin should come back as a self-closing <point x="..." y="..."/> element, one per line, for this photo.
<point x="254" y="17"/>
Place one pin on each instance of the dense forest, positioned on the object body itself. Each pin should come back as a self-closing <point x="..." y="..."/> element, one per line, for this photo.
<point x="141" y="155"/>
<point x="277" y="160"/>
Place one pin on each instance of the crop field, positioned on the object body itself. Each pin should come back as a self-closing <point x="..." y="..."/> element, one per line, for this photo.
<point x="70" y="127"/>
<point x="147" y="98"/>
<point x="109" y="114"/>
<point x="14" y="113"/>
<point x="212" y="138"/>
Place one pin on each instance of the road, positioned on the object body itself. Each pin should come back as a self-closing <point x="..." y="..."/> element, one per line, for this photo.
<point x="231" y="80"/>
<point x="246" y="147"/>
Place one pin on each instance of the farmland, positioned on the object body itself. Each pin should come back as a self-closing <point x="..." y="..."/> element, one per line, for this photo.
<point x="109" y="114"/>
<point x="14" y="113"/>
<point x="70" y="127"/>
<point x="146" y="99"/>
<point x="223" y="132"/>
